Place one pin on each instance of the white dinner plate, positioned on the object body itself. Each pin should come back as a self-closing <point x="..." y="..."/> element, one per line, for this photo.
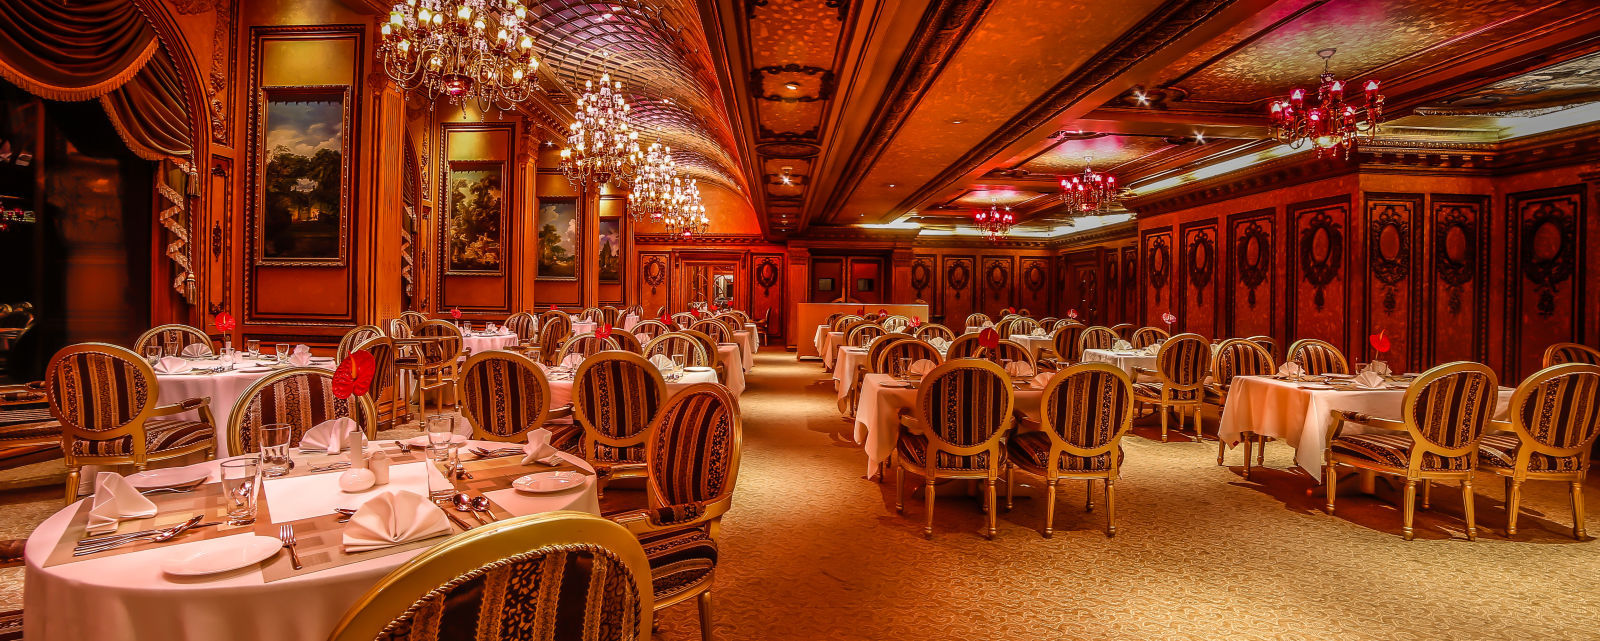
<point x="545" y="482"/>
<point x="220" y="555"/>
<point x="698" y="368"/>
<point x="322" y="359"/>
<point x="168" y="477"/>
<point x="255" y="370"/>
<point x="422" y="441"/>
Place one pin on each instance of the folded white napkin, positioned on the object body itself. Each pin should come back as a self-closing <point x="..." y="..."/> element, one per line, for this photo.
<point x="1368" y="379"/>
<point x="1290" y="368"/>
<point x="298" y="359"/>
<point x="327" y="436"/>
<point x="302" y="349"/>
<point x="115" y="499"/>
<point x="661" y="361"/>
<point x="572" y="360"/>
<point x="1037" y="331"/>
<point x="539" y="449"/>
<point x="1122" y="345"/>
<point x="1378" y="367"/>
<point x="172" y="365"/>
<point x="1019" y="369"/>
<point x="1150" y="350"/>
<point x="987" y="324"/>
<point x="392" y="518"/>
<point x="921" y="367"/>
<point x="1041" y="379"/>
<point x="939" y="343"/>
<point x="196" y="350"/>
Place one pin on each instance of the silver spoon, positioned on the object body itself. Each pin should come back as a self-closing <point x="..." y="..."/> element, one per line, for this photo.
<point x="480" y="504"/>
<point x="463" y="503"/>
<point x="159" y="538"/>
<point x="345" y="514"/>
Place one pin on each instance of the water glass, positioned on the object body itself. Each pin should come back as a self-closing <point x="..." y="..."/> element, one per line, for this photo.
<point x="441" y="433"/>
<point x="678" y="361"/>
<point x="169" y="342"/>
<point x="275" y="449"/>
<point x="240" y="478"/>
<point x="253" y="346"/>
<point x="283" y="352"/>
<point x="903" y="367"/>
<point x="152" y="353"/>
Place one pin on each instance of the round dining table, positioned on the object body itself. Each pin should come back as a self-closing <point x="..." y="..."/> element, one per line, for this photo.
<point x="479" y="342"/>
<point x="127" y="597"/>
<point x="223" y="388"/>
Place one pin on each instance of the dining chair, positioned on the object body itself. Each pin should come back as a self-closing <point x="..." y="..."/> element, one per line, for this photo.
<point x="384" y="390"/>
<point x="969" y="444"/>
<point x="929" y="331"/>
<point x="1096" y="337"/>
<point x="438" y="347"/>
<point x="713" y="355"/>
<point x="674" y="343"/>
<point x="542" y="577"/>
<point x="505" y="395"/>
<point x="872" y="364"/>
<point x="1085" y="411"/>
<point x="615" y="397"/>
<point x="398" y="328"/>
<point x="609" y="315"/>
<point x="1124" y="331"/>
<point x="1238" y="357"/>
<point x="732" y="322"/>
<point x="1317" y="357"/>
<point x="684" y="319"/>
<point x="894" y="323"/>
<point x="1180" y="374"/>
<point x="104" y="397"/>
<point x="355" y="337"/>
<point x="1147" y="336"/>
<point x="647" y="330"/>
<point x="1571" y="353"/>
<point x="552" y="337"/>
<point x="692" y="463"/>
<point x="1048" y="323"/>
<point x="1021" y="325"/>
<point x="558" y="318"/>
<point x="1009" y="350"/>
<point x="26" y="425"/>
<point x="414" y="320"/>
<point x="842" y="322"/>
<point x="863" y="332"/>
<point x="1266" y="342"/>
<point x="1064" y="342"/>
<point x="179" y="334"/>
<point x="1554" y="419"/>
<point x="1442" y="418"/>
<point x="713" y="328"/>
<point x="301" y="397"/>
<point x="964" y="346"/>
<point x="585" y="345"/>
<point x="977" y="319"/>
<point x="524" y="326"/>
<point x="627" y="341"/>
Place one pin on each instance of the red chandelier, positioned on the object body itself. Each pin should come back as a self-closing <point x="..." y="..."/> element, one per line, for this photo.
<point x="1331" y="124"/>
<point x="1091" y="191"/>
<point x="996" y="221"/>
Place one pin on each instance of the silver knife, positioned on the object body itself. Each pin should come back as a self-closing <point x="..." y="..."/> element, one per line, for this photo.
<point x="107" y="538"/>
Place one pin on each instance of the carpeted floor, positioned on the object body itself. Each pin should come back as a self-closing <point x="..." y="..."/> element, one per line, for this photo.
<point x="813" y="551"/>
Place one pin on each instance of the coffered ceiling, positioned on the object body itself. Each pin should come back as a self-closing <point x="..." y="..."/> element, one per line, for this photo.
<point x="863" y="112"/>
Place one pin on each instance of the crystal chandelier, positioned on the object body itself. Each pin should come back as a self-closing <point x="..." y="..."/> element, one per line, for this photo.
<point x="995" y="221"/>
<point x="602" y="146"/>
<point x="465" y="50"/>
<point x="653" y="184"/>
<point x="1091" y="191"/>
<point x="687" y="214"/>
<point x="1331" y="124"/>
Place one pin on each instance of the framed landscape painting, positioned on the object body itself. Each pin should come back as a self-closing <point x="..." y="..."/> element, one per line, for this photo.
<point x="474" y="191"/>
<point x="304" y="159"/>
<point x="559" y="229"/>
<point x="610" y="244"/>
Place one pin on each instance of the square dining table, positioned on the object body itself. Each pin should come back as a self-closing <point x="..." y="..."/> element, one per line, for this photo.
<point x="877" y="421"/>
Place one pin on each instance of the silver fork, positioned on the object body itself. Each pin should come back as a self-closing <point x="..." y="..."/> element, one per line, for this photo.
<point x="286" y="534"/>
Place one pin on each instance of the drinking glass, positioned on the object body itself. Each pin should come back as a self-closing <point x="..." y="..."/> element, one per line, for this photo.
<point x="466" y="327"/>
<point x="283" y="352"/>
<point x="152" y="353"/>
<point x="169" y="342"/>
<point x="678" y="361"/>
<point x="240" y="478"/>
<point x="275" y="449"/>
<point x="903" y="367"/>
<point x="441" y="431"/>
<point x="253" y="346"/>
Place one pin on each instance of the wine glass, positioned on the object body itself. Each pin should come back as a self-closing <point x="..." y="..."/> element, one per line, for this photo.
<point x="253" y="346"/>
<point x="441" y="438"/>
<point x="152" y="353"/>
<point x="678" y="362"/>
<point x="903" y="368"/>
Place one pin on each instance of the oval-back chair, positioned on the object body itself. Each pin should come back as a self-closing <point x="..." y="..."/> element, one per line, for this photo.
<point x="615" y="397"/>
<point x="524" y="326"/>
<point x="863" y="332"/>
<point x="715" y="329"/>
<point x="842" y="322"/>
<point x="355" y="338"/>
<point x="1238" y="357"/>
<point x="1571" y="353"/>
<point x="1180" y="375"/>
<point x="505" y="395"/>
<point x="552" y="336"/>
<point x="1317" y="357"/>
<point x="435" y="366"/>
<point x="385" y="357"/>
<point x="180" y="335"/>
<point x="610" y="316"/>
<point x="1124" y="331"/>
<point x="1010" y="350"/>
<point x="938" y="444"/>
<point x="627" y="341"/>
<point x="964" y="346"/>
<point x="977" y="319"/>
<point x="928" y="331"/>
<point x="684" y="319"/>
<point x="1086" y="409"/>
<point x="1096" y="337"/>
<point x="585" y="345"/>
<point x="1554" y="419"/>
<point x="1267" y="343"/>
<point x="1064" y="341"/>
<point x="301" y="397"/>
<point x="675" y="343"/>
<point x="1147" y="336"/>
<point x="649" y="329"/>
<point x="414" y="320"/>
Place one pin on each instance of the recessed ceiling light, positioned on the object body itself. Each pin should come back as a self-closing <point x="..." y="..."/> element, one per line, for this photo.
<point x="955" y="122"/>
<point x="891" y="185"/>
<point x="1199" y="137"/>
<point x="791" y="85"/>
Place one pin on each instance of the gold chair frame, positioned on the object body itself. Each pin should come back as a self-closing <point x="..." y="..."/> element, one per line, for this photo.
<point x="1059" y="447"/>
<point x="936" y="329"/>
<point x="964" y="346"/>
<point x="1560" y="353"/>
<point x="592" y="435"/>
<point x="977" y="319"/>
<point x="1093" y="337"/>
<point x="848" y="404"/>
<point x="918" y="422"/>
<point x="1528" y="445"/>
<point x="1170" y="389"/>
<point x="1146" y="336"/>
<point x="546" y="412"/>
<point x="1309" y="343"/>
<point x="696" y="358"/>
<point x="1123" y="331"/>
<point x="1219" y="387"/>
<point x="431" y="374"/>
<point x="154" y="334"/>
<point x="1065" y="341"/>
<point x="354" y="338"/>
<point x="581" y="341"/>
<point x="367" y="420"/>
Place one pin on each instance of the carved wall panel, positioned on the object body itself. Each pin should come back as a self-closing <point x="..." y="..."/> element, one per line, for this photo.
<point x="1157" y="262"/>
<point x="1251" y="306"/>
<point x="1547" y="242"/>
<point x="956" y="295"/>
<point x="655" y="280"/>
<point x="998" y="285"/>
<point x="1393" y="250"/>
<point x="1111" y="287"/>
<point x="1033" y="285"/>
<point x="1130" y="285"/>
<point x="1318" y="272"/>
<point x="766" y="290"/>
<point x="1457" y="317"/>
<point x="925" y="280"/>
<point x="1197" y="278"/>
<point x="1084" y="288"/>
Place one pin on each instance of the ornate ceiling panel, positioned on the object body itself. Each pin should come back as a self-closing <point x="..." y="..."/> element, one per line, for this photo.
<point x="1570" y="83"/>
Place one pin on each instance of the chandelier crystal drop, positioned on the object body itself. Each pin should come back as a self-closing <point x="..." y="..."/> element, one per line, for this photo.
<point x="687" y="214"/>
<point x="602" y="146"/>
<point x="465" y="50"/>
<point x="1330" y="123"/>
<point x="995" y="222"/>
<point x="653" y="184"/>
<point x="1091" y="191"/>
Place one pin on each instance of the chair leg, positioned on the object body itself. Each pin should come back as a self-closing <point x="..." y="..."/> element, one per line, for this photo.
<point x="1330" y="483"/>
<point x="1088" y="495"/>
<point x="882" y="469"/>
<point x="1222" y="448"/>
<point x="1427" y="494"/>
<point x="1261" y="450"/>
<point x="1163" y="411"/>
<point x="1050" y="507"/>
<point x="1513" y="505"/>
<point x="1468" y="508"/>
<point x="1011" y="483"/>
<point x="1199" y="425"/>
<point x="927" y="501"/>
<point x="1111" y="508"/>
<point x="1577" y="510"/>
<point x="72" y="484"/>
<point x="989" y="490"/>
<point x="1410" y="508"/>
<point x="705" y="616"/>
<point x="1248" y="441"/>
<point x="899" y="487"/>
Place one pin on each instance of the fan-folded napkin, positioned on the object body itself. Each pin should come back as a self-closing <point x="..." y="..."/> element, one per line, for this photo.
<point x="115" y="499"/>
<point x="392" y="518"/>
<point x="921" y="367"/>
<point x="939" y="343"/>
<point x="539" y="449"/>
<point x="1119" y="345"/>
<point x="1368" y="379"/>
<point x="1037" y="331"/>
<point x="572" y="360"/>
<point x="327" y="436"/>
<point x="195" y="350"/>
<point x="661" y="361"/>
<point x="172" y="365"/>
<point x="1378" y="367"/>
<point x="1291" y="368"/>
<point x="1019" y="369"/>
<point x="1040" y="380"/>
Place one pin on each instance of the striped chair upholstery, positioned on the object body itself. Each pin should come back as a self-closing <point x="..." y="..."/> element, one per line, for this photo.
<point x="444" y="351"/>
<point x="646" y="330"/>
<point x="627" y="341"/>
<point x="1048" y="323"/>
<point x="715" y="329"/>
<point x="545" y="577"/>
<point x="733" y="323"/>
<point x="615" y="396"/>
<point x="1180" y="372"/>
<point x="929" y="331"/>
<point x="977" y="319"/>
<point x="1554" y="420"/>
<point x="684" y="319"/>
<point x="181" y="335"/>
<point x="104" y="398"/>
<point x="552" y="337"/>
<point x="384" y="356"/>
<point x="1443" y="415"/>
<point x="910" y="348"/>
<point x="840" y="323"/>
<point x="585" y="345"/>
<point x="1022" y="325"/>
<point x="302" y="398"/>
<point x="1086" y="410"/>
<point x="1124" y="331"/>
<point x="675" y="343"/>
<point x="1096" y="337"/>
<point x="523" y="325"/>
<point x="414" y="320"/>
<point x="505" y="395"/>
<point x="354" y="338"/>
<point x="1010" y="350"/>
<point x="1238" y="357"/>
<point x="894" y="323"/>
<point x="964" y="346"/>
<point x="1147" y="336"/>
<point x="880" y="360"/>
<point x="956" y="430"/>
<point x="557" y="320"/>
<point x="1318" y="357"/>
<point x="864" y="332"/>
<point x="610" y="316"/>
<point x="1571" y="353"/>
<point x="399" y="329"/>
<point x="1065" y="341"/>
<point x="1266" y="342"/>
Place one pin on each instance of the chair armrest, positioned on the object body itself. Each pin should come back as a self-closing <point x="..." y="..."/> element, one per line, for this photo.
<point x="565" y="411"/>
<point x="910" y="422"/>
<point x="645" y="522"/>
<point x="1498" y="425"/>
<point x="182" y="406"/>
<point x="1144" y="370"/>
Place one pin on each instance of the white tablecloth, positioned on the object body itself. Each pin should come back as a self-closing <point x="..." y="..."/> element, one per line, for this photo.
<point x="1300" y="416"/>
<point x="830" y="344"/>
<point x="629" y="321"/>
<point x="1035" y="344"/>
<point x="877" y="426"/>
<point x="561" y="390"/>
<point x="746" y="339"/>
<point x="127" y="597"/>
<point x="844" y="375"/>
<point x="476" y="344"/>
<point x="822" y="333"/>
<point x="1125" y="360"/>
<point x="224" y="389"/>
<point x="733" y="358"/>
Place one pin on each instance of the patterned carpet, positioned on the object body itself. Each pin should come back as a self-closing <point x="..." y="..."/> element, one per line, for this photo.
<point x="813" y="551"/>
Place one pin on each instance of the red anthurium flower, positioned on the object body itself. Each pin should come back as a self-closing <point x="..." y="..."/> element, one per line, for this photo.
<point x="224" y="322"/>
<point x="603" y="331"/>
<point x="916" y="321"/>
<point x="1168" y="318"/>
<point x="1380" y="341"/>
<point x="354" y="376"/>
<point x="1072" y="313"/>
<point x="861" y="311"/>
<point x="883" y="312"/>
<point x="665" y="320"/>
<point x="552" y="307"/>
<point x="455" y="312"/>
<point x="988" y="338"/>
